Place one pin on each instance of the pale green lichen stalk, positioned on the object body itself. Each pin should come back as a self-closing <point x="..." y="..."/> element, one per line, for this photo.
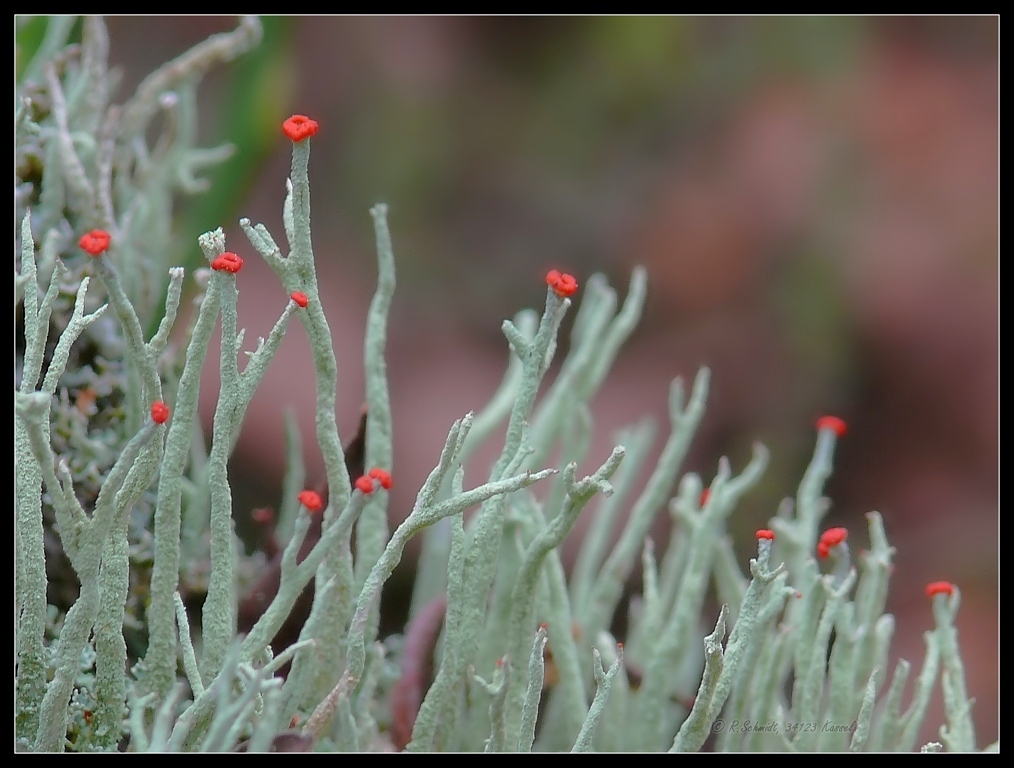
<point x="800" y="652"/>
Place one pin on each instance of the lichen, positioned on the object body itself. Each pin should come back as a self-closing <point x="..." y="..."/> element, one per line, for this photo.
<point x="502" y="653"/>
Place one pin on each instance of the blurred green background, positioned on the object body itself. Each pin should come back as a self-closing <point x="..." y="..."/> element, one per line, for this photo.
<point x="816" y="200"/>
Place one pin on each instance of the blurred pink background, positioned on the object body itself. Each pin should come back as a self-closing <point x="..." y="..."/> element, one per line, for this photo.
<point x="816" y="201"/>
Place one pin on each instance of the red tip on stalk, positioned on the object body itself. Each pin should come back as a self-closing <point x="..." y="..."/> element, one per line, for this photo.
<point x="364" y="484"/>
<point x="798" y="595"/>
<point x="300" y="298"/>
<point x="765" y="533"/>
<point x="299" y="127"/>
<point x="619" y="646"/>
<point x="832" y="537"/>
<point x="310" y="500"/>
<point x="159" y="412"/>
<point x="95" y="242"/>
<point x="544" y="626"/>
<point x="262" y="515"/>
<point x="939" y="588"/>
<point x="705" y="495"/>
<point x="383" y="477"/>
<point x="499" y="662"/>
<point x="563" y="285"/>
<point x="227" y="262"/>
<point x="833" y="423"/>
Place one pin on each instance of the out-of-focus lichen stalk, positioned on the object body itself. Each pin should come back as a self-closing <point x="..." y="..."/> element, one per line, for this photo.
<point x="579" y="493"/>
<point x="465" y="607"/>
<point x="613" y="575"/>
<point x="959" y="733"/>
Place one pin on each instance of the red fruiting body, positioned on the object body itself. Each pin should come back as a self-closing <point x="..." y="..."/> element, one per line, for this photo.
<point x="823" y="552"/>
<point x="310" y="500"/>
<point x="300" y="298"/>
<point x="262" y="515"/>
<point x="227" y="262"/>
<point x="299" y="127"/>
<point x="764" y="533"/>
<point x="833" y="423"/>
<point x="95" y="242"/>
<point x="364" y="484"/>
<point x="159" y="412"/>
<point x="382" y="476"/>
<point x="705" y="495"/>
<point x="939" y="588"/>
<point x="832" y="537"/>
<point x="563" y="285"/>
